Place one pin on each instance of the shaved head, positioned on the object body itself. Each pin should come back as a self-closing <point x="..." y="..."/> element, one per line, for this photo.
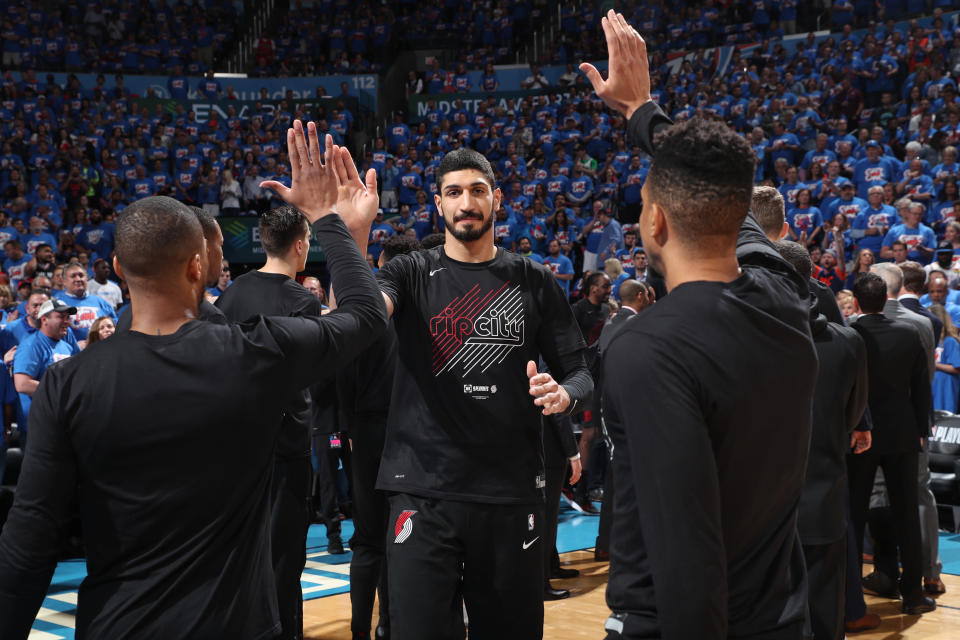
<point x="156" y="234"/>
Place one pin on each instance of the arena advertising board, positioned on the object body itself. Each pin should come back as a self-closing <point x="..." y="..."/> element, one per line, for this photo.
<point x="364" y="87"/>
<point x="204" y="109"/>
<point x="241" y="241"/>
<point x="419" y="105"/>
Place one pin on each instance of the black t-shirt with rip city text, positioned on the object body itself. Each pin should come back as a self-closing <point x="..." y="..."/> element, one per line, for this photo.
<point x="462" y="423"/>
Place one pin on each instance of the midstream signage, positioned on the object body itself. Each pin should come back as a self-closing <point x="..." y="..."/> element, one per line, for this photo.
<point x="470" y="102"/>
<point x="241" y="241"/>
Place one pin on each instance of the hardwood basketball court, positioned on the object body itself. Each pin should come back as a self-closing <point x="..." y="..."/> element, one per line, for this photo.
<point x="582" y="615"/>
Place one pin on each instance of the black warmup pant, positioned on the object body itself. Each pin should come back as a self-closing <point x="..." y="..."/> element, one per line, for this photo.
<point x="487" y="555"/>
<point x="368" y="568"/>
<point x="884" y="540"/>
<point x="606" y="513"/>
<point x="856" y="606"/>
<point x="551" y="516"/>
<point x="325" y="493"/>
<point x="900" y="470"/>
<point x="826" y="577"/>
<point x="290" y="519"/>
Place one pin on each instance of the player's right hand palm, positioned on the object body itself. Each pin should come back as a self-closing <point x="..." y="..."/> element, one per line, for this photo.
<point x="357" y="200"/>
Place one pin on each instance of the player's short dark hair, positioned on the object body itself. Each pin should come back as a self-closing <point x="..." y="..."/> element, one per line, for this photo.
<point x="155" y="233"/>
<point x="796" y="255"/>
<point x="914" y="277"/>
<point x="768" y="207"/>
<point x="593" y="279"/>
<point x="95" y="262"/>
<point x="207" y="223"/>
<point x="432" y="240"/>
<point x="871" y="292"/>
<point x="463" y="159"/>
<point x="280" y="228"/>
<point x="41" y="246"/>
<point x="630" y="290"/>
<point x="399" y="245"/>
<point x="702" y="177"/>
<point x="13" y="243"/>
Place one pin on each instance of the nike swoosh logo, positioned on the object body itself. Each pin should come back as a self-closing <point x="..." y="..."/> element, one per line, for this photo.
<point x="436" y="270"/>
<point x="527" y="545"/>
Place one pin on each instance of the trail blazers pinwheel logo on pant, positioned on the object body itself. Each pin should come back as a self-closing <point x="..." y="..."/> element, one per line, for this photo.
<point x="404" y="527"/>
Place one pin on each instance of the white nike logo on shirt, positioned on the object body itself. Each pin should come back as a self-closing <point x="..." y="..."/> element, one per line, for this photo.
<point x="526" y="545"/>
<point x="436" y="270"/>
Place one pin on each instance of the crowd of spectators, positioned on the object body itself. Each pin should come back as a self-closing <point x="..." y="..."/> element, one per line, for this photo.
<point x="860" y="125"/>
<point x="111" y="36"/>
<point x="341" y="37"/>
<point x="681" y="26"/>
<point x="858" y="133"/>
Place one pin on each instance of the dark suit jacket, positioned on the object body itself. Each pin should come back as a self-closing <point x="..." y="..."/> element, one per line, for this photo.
<point x="839" y="401"/>
<point x="899" y="383"/>
<point x="913" y="304"/>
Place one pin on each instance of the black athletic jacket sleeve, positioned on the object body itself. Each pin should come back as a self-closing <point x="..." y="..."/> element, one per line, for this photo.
<point x="292" y="351"/>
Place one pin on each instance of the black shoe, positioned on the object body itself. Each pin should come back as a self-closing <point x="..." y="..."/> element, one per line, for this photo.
<point x="358" y="635"/>
<point x="881" y="584"/>
<point x="335" y="546"/>
<point x="919" y="605"/>
<point x="601" y="555"/>
<point x="549" y="593"/>
<point x="588" y="509"/>
<point x="596" y="495"/>
<point x="559" y="573"/>
<point x="382" y="633"/>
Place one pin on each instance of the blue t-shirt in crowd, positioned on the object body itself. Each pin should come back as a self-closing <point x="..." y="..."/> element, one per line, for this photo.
<point x="922" y="236"/>
<point x="562" y="265"/>
<point x="97" y="238"/>
<point x="946" y="386"/>
<point x="89" y="308"/>
<point x="33" y="356"/>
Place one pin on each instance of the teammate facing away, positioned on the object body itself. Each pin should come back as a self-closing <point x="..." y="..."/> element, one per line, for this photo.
<point x="272" y="290"/>
<point x="144" y="462"/>
<point x="714" y="439"/>
<point x="463" y="456"/>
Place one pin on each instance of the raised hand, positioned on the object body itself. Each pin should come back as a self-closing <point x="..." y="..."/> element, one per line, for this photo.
<point x="627" y="86"/>
<point x="357" y="200"/>
<point x="313" y="186"/>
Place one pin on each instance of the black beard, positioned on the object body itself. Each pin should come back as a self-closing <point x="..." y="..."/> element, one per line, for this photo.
<point x="472" y="233"/>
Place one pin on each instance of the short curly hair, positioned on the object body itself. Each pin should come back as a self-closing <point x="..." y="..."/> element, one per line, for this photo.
<point x="702" y="177"/>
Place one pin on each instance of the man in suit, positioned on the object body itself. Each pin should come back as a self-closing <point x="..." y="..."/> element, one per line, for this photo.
<point x="635" y="296"/>
<point x="907" y="307"/>
<point x="914" y="282"/>
<point x="899" y="401"/>
<point x="839" y="400"/>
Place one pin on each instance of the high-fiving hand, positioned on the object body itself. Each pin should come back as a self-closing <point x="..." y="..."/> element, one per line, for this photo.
<point x="548" y="392"/>
<point x="627" y="86"/>
<point x="357" y="200"/>
<point x="314" y="185"/>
